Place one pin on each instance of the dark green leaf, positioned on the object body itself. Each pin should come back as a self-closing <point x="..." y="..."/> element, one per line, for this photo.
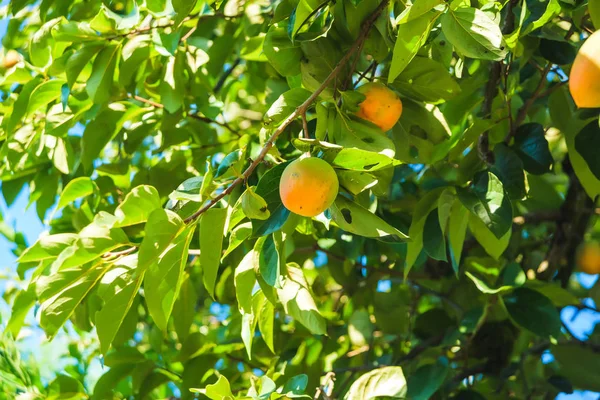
<point x="533" y="311"/>
<point x="531" y="145"/>
<point x="433" y="237"/>
<point x="487" y="200"/>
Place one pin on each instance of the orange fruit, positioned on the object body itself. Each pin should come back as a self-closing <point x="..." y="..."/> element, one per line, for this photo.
<point x="584" y="79"/>
<point x="308" y="186"/>
<point x="588" y="258"/>
<point x="382" y="106"/>
<point x="11" y="58"/>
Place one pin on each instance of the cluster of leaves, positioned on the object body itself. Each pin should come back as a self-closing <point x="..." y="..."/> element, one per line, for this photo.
<point x="448" y="254"/>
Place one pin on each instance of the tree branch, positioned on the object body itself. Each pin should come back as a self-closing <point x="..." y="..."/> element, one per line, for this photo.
<point x="171" y="24"/>
<point x="225" y="75"/>
<point x="195" y="116"/>
<point x="299" y="111"/>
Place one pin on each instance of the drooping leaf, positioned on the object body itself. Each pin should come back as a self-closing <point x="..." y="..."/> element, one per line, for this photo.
<point x="298" y="302"/>
<point x="487" y="200"/>
<point x="212" y="225"/>
<point x="533" y="311"/>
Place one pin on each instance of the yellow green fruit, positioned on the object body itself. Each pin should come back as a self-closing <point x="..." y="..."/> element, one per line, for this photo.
<point x="588" y="258"/>
<point x="584" y="79"/>
<point x="308" y="186"/>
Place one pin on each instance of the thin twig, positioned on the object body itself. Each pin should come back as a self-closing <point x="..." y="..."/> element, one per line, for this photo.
<point x="225" y="75"/>
<point x="522" y="114"/>
<point x="362" y="75"/>
<point x="305" y="126"/>
<point x="299" y="111"/>
<point x="195" y="116"/>
<point x="171" y="24"/>
<point x="188" y="34"/>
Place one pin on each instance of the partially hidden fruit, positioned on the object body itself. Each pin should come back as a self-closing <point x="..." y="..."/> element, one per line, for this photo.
<point x="588" y="258"/>
<point x="308" y="186"/>
<point x="584" y="80"/>
<point x="381" y="106"/>
<point x="11" y="59"/>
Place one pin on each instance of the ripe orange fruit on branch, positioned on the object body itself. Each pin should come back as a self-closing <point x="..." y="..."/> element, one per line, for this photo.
<point x="588" y="258"/>
<point x="11" y="58"/>
<point x="584" y="80"/>
<point x="308" y="186"/>
<point x="382" y="106"/>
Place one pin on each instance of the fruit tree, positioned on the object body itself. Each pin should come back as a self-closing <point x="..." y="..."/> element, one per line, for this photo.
<point x="285" y="199"/>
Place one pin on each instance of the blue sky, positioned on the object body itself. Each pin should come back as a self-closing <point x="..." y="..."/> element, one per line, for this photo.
<point x="25" y="220"/>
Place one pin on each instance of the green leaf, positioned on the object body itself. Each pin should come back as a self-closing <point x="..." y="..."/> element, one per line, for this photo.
<point x="433" y="237"/>
<point x="137" y="206"/>
<point x="381" y="382"/>
<point x="239" y="234"/>
<point x="76" y="189"/>
<point x="254" y="206"/>
<point x="414" y="247"/>
<point x="183" y="8"/>
<point x="353" y="218"/>
<point x="219" y="390"/>
<point x="212" y="225"/>
<point x="426" y="80"/>
<point x="356" y="181"/>
<point x="99" y="85"/>
<point x="485" y="288"/>
<point x="474" y="34"/>
<point x="560" y="297"/>
<point x="248" y="328"/>
<point x="426" y="380"/>
<point x="245" y="279"/>
<point x="285" y="105"/>
<point x="93" y="242"/>
<point x="62" y="291"/>
<point x="492" y="245"/>
<point x="594" y="10"/>
<point x="49" y="246"/>
<point x="551" y="10"/>
<point x="118" y="299"/>
<point x="557" y="51"/>
<point x="23" y="302"/>
<point x="578" y="364"/>
<point x="268" y="189"/>
<point x="418" y="8"/>
<point x="457" y="230"/>
<point x="411" y="36"/>
<point x="172" y="86"/>
<point x="532" y="147"/>
<point x="282" y="54"/>
<point x="79" y="60"/>
<point x="75" y="32"/>
<point x="296" y="385"/>
<point x="44" y="94"/>
<point x="585" y="142"/>
<point x="228" y="161"/>
<point x="164" y="276"/>
<point x="360" y="328"/>
<point x="588" y="180"/>
<point x="533" y="311"/>
<point x="266" y="318"/>
<point x="269" y="261"/>
<point x="355" y="159"/>
<point x="298" y="301"/>
<point x="509" y="168"/>
<point x="184" y="309"/>
<point x="303" y="13"/>
<point x="487" y="200"/>
<point x="363" y="136"/>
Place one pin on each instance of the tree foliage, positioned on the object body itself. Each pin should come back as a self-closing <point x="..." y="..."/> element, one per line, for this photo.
<point x="152" y="136"/>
